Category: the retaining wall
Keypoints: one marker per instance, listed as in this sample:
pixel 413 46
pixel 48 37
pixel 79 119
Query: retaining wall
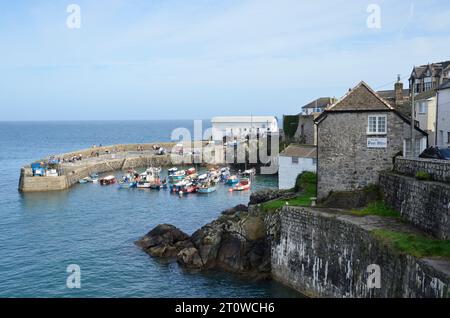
pixel 425 204
pixel 439 170
pixel 327 255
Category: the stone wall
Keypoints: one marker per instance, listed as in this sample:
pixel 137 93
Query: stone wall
pixel 345 163
pixel 326 255
pixel 306 130
pixel 425 204
pixel 439 170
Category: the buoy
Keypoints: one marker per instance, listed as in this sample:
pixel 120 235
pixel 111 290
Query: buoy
pixel 180 193
pixel 230 190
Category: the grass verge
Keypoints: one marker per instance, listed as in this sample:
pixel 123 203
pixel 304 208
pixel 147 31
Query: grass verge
pixel 307 182
pixel 415 245
pixel 377 208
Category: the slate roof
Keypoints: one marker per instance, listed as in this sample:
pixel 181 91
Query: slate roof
pixel 320 102
pixel 436 69
pixel 361 97
pixel 425 95
pixel 390 94
pixel 300 151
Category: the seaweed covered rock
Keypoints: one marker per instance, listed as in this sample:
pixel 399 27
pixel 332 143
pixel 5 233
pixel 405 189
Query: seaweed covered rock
pixel 164 240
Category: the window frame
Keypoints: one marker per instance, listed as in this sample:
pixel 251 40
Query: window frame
pixel 376 132
pixel 295 160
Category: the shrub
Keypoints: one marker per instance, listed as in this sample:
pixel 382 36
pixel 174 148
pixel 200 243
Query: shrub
pixel 422 175
pixel 304 180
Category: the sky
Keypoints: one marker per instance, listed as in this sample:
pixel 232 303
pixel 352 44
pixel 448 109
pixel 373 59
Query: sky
pixel 195 59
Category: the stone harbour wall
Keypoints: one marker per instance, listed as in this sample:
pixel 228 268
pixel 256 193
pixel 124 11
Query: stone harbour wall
pixel 439 170
pixel 326 255
pixel 425 204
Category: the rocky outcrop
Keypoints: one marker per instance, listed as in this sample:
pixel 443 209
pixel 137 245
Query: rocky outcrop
pixel 165 240
pixel 236 242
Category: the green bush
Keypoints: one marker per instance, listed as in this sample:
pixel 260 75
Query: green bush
pixel 305 180
pixel 422 175
pixel 290 125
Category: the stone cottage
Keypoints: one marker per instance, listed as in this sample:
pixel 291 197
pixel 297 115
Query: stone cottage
pixel 357 137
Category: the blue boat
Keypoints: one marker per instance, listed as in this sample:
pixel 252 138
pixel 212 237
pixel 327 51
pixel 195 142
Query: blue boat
pixel 127 185
pixel 206 189
pixel 232 180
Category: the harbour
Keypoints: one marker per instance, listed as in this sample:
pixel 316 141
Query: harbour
pixel 96 226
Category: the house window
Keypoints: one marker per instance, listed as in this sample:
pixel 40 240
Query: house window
pixel 418 88
pixel 376 125
pixel 422 107
pixel 295 160
pixel 448 137
pixel 428 83
pixel 314 161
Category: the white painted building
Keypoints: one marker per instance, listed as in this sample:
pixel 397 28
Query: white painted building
pixel 425 113
pixel 294 160
pixel 443 116
pixel 241 126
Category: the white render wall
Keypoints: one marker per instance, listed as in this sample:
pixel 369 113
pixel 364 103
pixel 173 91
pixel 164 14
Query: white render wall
pixel 288 171
pixel 443 118
pixel 240 129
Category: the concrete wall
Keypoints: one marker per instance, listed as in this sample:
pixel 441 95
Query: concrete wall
pixel 288 171
pixel 439 170
pixel 443 118
pixel 424 204
pixel 325 255
pixel 345 162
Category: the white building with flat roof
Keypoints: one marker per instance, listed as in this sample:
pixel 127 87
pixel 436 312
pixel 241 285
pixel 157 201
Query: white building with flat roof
pixel 242 126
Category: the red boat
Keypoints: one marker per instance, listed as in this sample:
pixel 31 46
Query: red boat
pixel 244 184
pixel 190 171
pixel 107 180
pixel 189 188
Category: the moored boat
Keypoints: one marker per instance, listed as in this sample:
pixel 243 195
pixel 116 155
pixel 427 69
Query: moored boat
pixel 244 184
pixel 232 180
pixel 190 171
pixel 127 185
pixel 108 180
pixel 206 189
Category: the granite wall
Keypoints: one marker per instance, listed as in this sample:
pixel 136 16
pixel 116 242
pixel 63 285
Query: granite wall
pixel 439 170
pixel 345 163
pixel 327 255
pixel 425 204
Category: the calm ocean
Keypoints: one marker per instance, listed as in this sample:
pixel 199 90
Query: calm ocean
pixel 95 227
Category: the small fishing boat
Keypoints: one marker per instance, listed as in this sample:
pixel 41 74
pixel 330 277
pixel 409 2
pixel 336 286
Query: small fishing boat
pixel 127 185
pixel 172 171
pixel 248 173
pixel 232 180
pixel 176 187
pixel 190 171
pixel 244 184
pixel 206 189
pixel 143 184
pixel 177 176
pixel 108 180
pixel 84 180
pixel 188 188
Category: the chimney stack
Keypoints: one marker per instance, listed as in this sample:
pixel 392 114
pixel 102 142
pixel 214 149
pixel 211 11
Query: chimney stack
pixel 398 87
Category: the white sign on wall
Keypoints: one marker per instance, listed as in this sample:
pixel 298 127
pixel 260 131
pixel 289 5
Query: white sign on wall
pixel 376 142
